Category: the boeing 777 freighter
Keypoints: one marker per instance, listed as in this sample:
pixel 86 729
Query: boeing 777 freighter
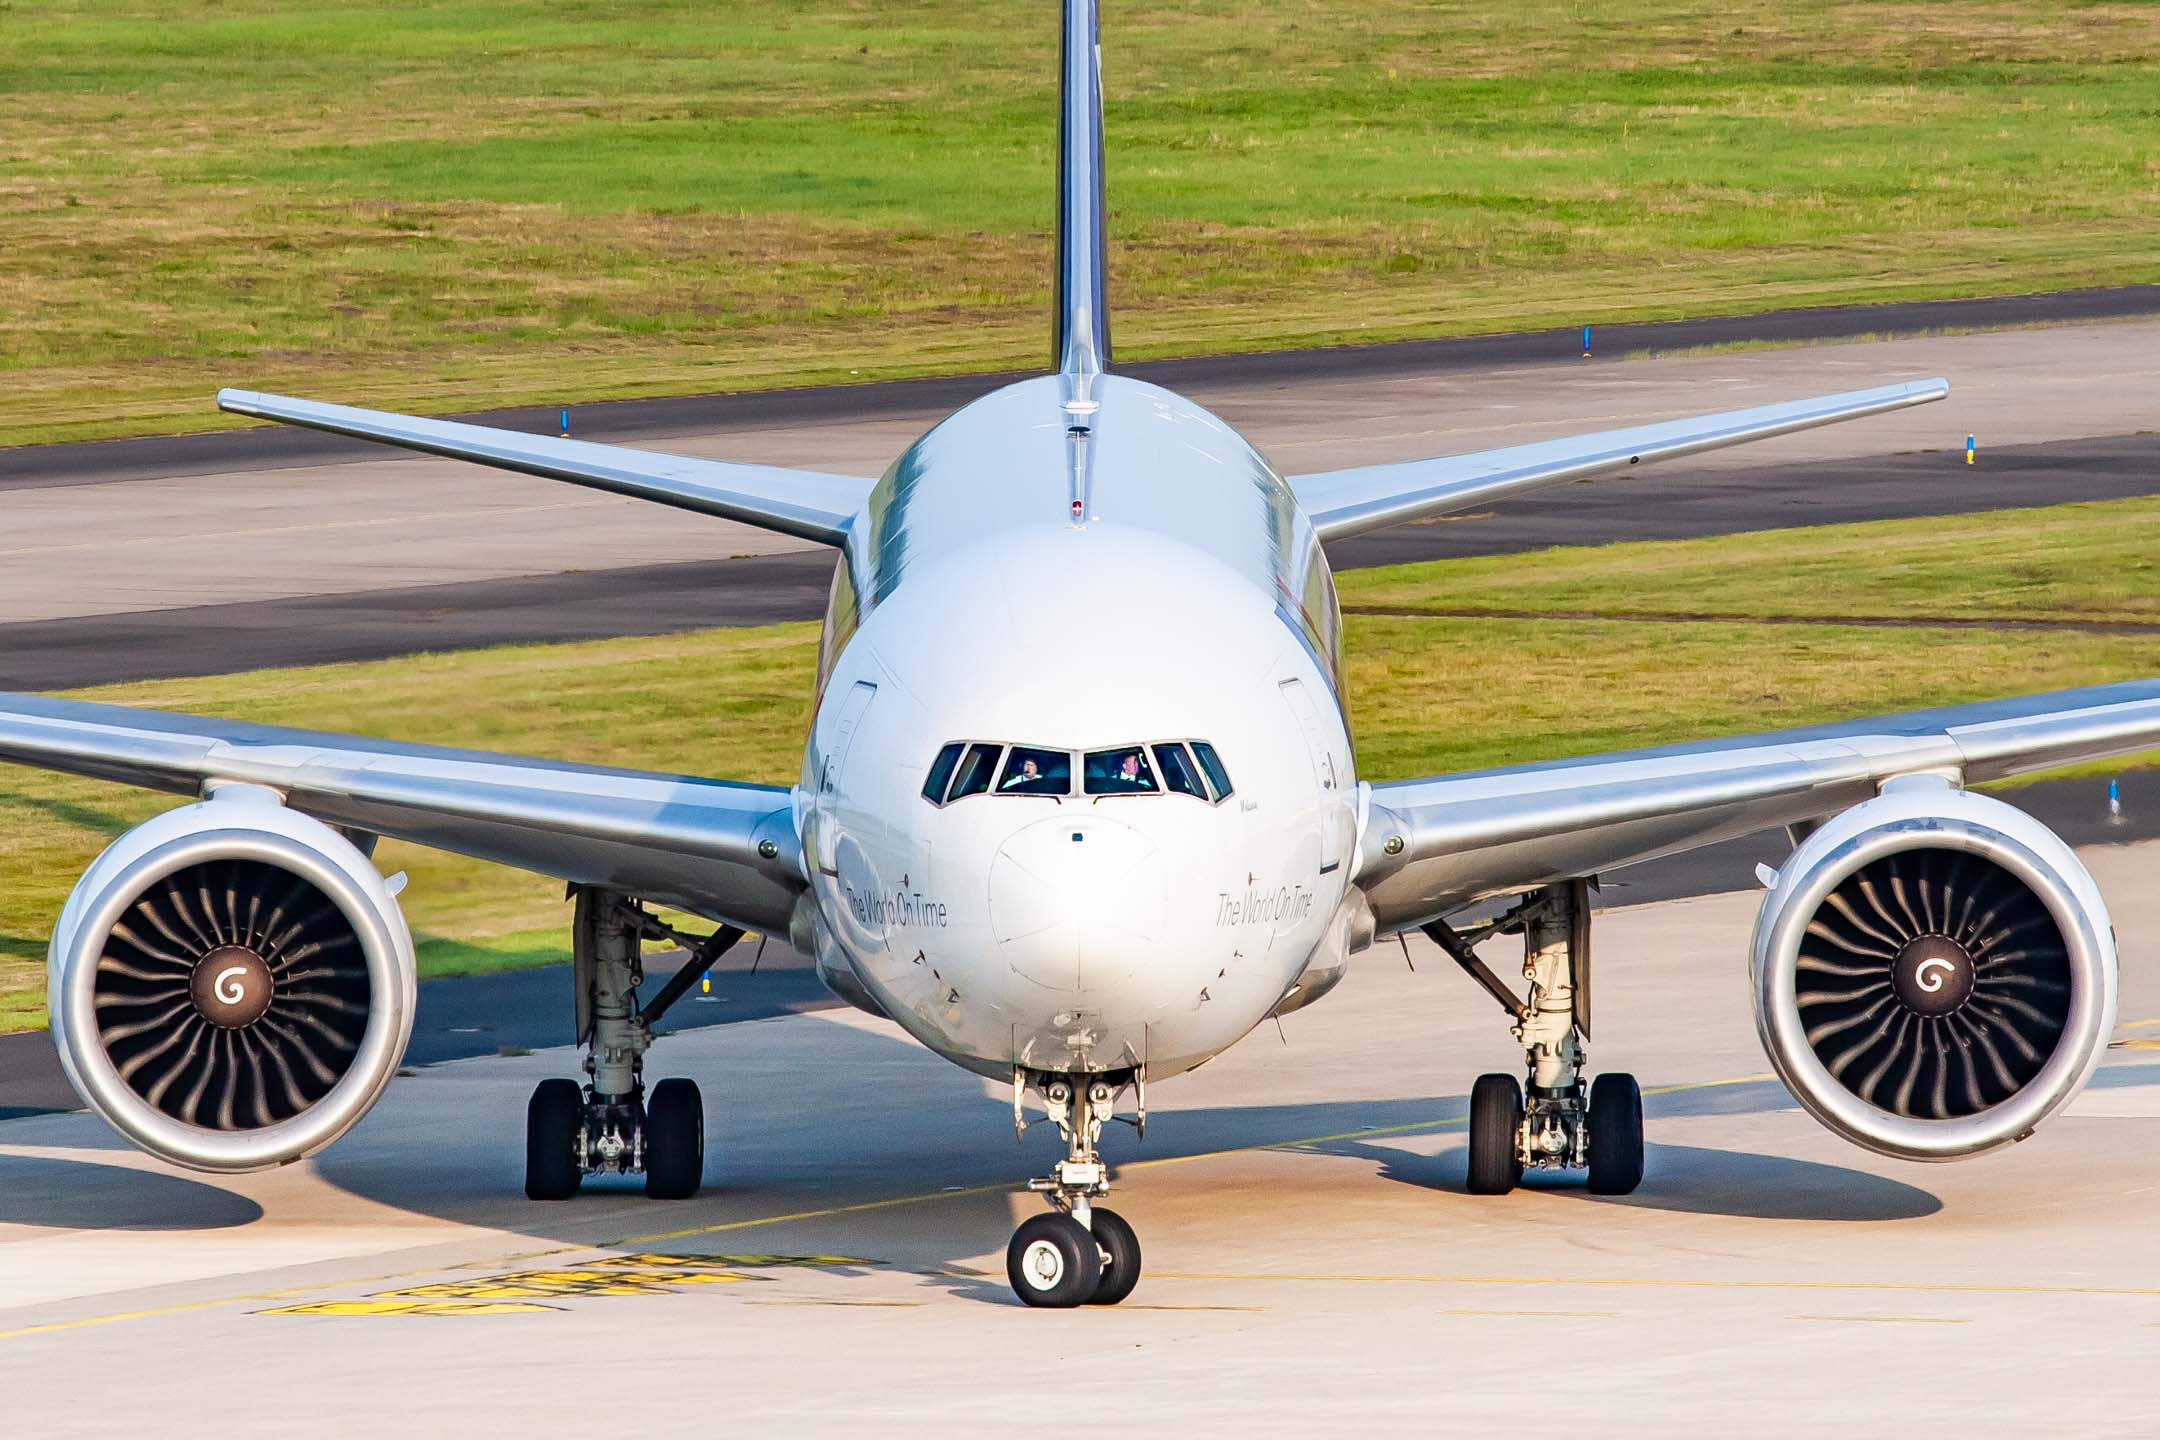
pixel 1080 865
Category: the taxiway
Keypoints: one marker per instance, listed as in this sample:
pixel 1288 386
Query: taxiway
pixel 1310 1252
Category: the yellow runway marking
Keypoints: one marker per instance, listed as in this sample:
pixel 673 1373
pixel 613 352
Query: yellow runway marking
pixel 407 1307
pixel 664 1260
pixel 578 1283
pixel 1890 1319
pixel 53 1326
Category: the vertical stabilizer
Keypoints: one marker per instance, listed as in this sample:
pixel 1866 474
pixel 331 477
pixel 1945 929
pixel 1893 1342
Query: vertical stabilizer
pixel 1080 337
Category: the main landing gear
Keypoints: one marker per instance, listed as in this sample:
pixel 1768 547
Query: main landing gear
pixel 1556 1122
pixel 611 1125
pixel 1080 1253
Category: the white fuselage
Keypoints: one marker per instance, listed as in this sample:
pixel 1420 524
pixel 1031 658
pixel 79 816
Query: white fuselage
pixel 1188 601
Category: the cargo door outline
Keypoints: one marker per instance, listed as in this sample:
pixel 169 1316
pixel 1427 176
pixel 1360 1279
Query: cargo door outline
pixel 846 725
pixel 1323 764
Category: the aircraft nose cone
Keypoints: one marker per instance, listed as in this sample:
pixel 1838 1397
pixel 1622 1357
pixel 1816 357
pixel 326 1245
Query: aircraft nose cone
pixel 1076 902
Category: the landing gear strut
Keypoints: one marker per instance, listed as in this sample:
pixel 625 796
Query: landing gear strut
pixel 611 1126
pixel 1556 1121
pixel 1080 1253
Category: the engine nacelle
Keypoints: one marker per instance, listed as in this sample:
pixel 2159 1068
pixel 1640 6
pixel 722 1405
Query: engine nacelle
pixel 231 984
pixel 1934 973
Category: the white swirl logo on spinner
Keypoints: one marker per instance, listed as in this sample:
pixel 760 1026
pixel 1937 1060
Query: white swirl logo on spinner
pixel 1925 976
pixel 1932 975
pixel 232 987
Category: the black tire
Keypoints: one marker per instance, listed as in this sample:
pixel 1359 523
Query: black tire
pixel 674 1140
pixel 1616 1144
pixel 553 1118
pixel 1052 1262
pixel 1121 1247
pixel 1496 1116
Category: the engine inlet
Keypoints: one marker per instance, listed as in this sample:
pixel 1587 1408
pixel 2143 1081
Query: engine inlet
pixel 232 995
pixel 1933 984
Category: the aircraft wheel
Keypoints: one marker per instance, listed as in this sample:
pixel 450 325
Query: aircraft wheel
pixel 1052 1262
pixel 674 1140
pixel 1121 1247
pixel 1616 1143
pixel 1496 1116
pixel 553 1118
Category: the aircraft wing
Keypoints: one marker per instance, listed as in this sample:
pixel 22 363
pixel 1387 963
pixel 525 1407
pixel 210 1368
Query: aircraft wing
pixel 1346 502
pixel 804 503
pixel 670 838
pixel 1490 831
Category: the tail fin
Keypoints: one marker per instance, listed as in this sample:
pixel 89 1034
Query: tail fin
pixel 1080 336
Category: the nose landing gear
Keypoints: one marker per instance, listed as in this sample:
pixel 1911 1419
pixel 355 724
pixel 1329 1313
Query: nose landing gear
pixel 1081 1253
pixel 1556 1122
pixel 612 1126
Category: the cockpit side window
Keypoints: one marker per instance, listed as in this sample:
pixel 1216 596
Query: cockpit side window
pixel 941 770
pixel 1123 771
pixel 1031 771
pixel 975 771
pixel 1178 771
pixel 1211 765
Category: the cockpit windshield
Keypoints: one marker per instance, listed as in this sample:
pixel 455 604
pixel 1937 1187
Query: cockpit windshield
pixel 1124 771
pixel 983 767
pixel 1029 771
pixel 976 770
pixel 1178 771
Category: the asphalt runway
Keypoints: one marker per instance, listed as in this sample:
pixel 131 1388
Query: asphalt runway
pixel 662 599
pixel 1310 1253
pixel 244 551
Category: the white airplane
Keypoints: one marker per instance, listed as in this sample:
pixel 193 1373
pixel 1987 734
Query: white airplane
pixel 1079 809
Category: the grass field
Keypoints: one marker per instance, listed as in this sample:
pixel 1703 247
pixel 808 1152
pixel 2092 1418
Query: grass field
pixel 446 205
pixel 1428 694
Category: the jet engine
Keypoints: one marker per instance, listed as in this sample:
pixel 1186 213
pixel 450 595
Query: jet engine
pixel 1934 973
pixel 231 983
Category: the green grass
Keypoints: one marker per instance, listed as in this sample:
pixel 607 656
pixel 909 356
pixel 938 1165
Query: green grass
pixel 2081 562
pixel 444 206
pixel 1428 694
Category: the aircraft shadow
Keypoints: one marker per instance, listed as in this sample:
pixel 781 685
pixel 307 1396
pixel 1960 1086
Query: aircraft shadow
pixel 1691 1180
pixel 875 1118
pixel 49 1193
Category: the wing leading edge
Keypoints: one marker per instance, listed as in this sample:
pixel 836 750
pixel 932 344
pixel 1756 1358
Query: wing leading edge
pixel 808 504
pixel 1345 502
pixel 699 844
pixel 1483 832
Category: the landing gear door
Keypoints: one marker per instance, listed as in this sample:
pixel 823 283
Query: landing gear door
pixel 1323 762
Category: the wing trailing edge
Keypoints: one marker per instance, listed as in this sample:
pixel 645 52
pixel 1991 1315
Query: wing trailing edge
pixel 1346 502
pixel 807 504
